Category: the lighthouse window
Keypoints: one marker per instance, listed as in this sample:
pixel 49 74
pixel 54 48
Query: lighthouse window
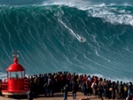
pixel 12 75
pixel 9 74
pixel 22 74
pixel 16 74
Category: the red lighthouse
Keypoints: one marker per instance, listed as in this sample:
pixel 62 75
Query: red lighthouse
pixel 16 83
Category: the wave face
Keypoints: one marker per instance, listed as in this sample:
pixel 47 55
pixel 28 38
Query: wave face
pixel 74 37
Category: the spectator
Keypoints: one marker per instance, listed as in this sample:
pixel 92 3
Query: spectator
pixel 65 92
pixel 30 94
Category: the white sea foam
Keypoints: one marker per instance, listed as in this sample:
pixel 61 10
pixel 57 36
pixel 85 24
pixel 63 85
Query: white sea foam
pixel 70 3
pixel 101 10
pixel 111 15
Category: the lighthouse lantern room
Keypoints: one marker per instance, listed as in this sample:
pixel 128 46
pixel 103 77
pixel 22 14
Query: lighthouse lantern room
pixel 16 82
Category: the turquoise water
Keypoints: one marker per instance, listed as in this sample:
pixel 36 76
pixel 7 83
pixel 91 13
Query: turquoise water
pixel 75 36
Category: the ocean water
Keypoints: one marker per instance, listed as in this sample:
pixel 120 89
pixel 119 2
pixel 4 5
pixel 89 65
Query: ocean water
pixel 92 37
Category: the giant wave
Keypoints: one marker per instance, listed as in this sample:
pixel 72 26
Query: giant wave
pixel 48 37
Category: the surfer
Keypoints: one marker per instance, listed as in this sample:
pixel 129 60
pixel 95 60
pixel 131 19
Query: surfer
pixel 81 39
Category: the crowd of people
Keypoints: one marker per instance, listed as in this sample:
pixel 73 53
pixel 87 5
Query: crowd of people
pixel 65 82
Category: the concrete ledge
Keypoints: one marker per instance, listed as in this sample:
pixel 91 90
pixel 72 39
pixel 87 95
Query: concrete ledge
pixel 14 93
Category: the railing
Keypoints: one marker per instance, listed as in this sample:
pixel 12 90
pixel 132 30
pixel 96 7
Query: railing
pixel 26 84
pixel 4 84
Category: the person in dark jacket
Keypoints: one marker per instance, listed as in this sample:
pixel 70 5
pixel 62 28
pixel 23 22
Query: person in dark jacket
pixel 30 94
pixel 100 91
pixel 74 89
